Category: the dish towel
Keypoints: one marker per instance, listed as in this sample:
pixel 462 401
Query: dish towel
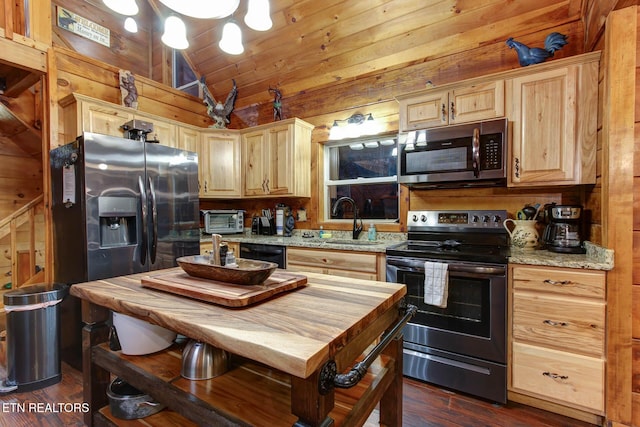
pixel 436 283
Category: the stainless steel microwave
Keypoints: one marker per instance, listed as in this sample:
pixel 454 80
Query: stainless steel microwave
pixel 466 155
pixel 223 221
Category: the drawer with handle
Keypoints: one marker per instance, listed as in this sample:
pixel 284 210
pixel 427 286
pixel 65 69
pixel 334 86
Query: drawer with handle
pixel 573 379
pixel 560 281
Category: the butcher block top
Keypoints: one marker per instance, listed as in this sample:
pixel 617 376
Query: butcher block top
pixel 295 331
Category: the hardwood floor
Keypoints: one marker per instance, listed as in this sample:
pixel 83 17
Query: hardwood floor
pixel 424 405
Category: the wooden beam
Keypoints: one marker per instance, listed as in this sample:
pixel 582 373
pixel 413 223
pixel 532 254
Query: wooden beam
pixel 617 204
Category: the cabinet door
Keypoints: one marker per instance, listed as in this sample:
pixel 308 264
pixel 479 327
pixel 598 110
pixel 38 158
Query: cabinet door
pixel 543 140
pixel 280 160
pixel 104 119
pixel 425 111
pixel 221 176
pixel 477 102
pixel 254 160
pixel 189 139
pixel 164 132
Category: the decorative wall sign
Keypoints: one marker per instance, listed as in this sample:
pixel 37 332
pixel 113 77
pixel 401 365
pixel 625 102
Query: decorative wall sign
pixel 83 27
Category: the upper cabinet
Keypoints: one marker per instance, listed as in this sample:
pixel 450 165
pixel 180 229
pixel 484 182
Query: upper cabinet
pixel 554 122
pixel 219 163
pixel 436 107
pixel 552 113
pixel 276 159
pixel 271 160
pixel 84 114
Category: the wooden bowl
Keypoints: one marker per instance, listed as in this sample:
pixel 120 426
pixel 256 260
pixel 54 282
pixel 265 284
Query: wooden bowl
pixel 248 271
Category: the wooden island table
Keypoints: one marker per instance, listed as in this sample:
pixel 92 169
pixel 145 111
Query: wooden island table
pixel 286 353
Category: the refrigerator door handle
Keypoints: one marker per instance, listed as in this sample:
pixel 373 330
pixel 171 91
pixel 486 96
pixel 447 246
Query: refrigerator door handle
pixel 145 238
pixel 154 221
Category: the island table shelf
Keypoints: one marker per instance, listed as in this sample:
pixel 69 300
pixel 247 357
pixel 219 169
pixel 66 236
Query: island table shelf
pixel 279 348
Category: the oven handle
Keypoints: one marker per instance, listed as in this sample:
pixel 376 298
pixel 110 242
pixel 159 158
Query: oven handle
pixel 418 265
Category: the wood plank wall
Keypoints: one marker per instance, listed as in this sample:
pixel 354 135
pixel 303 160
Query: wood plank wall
pixel 635 379
pixel 80 74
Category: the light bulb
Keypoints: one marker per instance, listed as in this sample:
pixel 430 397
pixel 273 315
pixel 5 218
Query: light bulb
pixel 130 25
pixel 257 17
pixel 175 33
pixel 123 7
pixel 231 41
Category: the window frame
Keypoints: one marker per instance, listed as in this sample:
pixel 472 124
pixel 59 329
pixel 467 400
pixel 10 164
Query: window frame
pixel 327 183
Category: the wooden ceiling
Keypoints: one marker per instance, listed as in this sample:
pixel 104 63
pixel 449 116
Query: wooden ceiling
pixel 316 44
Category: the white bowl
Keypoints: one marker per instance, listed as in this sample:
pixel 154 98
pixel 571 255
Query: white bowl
pixel 138 337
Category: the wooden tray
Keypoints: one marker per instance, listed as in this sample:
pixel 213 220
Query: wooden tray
pixel 227 294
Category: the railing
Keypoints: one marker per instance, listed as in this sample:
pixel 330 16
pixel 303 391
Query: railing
pixel 24 247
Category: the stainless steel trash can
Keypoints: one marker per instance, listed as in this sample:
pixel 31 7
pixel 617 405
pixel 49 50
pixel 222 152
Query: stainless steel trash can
pixel 33 336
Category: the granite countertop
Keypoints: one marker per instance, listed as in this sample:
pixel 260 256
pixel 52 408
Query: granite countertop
pixel 596 258
pixel 339 240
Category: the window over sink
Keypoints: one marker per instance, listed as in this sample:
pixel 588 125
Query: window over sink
pixel 364 169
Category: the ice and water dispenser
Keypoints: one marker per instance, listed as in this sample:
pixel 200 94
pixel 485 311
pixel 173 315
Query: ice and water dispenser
pixel 117 221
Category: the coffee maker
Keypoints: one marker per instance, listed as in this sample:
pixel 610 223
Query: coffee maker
pixel 563 233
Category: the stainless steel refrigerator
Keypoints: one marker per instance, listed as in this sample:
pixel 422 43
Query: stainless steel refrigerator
pixel 120 206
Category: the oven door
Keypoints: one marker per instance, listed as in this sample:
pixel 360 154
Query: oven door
pixel 474 321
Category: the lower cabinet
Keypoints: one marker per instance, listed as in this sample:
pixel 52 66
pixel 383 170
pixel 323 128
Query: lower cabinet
pixel 357 265
pixel 557 351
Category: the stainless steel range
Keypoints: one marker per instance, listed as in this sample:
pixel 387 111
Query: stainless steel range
pixel 461 346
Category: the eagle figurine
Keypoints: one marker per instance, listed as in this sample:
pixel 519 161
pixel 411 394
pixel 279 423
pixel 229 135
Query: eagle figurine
pixel 534 55
pixel 219 112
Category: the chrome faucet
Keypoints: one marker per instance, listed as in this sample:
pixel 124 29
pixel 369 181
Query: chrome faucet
pixel 356 229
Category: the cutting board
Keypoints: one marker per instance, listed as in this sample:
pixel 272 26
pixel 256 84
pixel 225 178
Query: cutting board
pixel 222 293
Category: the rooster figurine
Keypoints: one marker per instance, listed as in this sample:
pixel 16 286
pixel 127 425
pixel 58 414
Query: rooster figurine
pixel 535 55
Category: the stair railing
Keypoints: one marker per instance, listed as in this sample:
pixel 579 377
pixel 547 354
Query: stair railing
pixel 9 227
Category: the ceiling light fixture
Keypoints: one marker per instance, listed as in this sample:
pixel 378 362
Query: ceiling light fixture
pixel 203 9
pixel 175 33
pixel 257 17
pixel 355 126
pixel 130 25
pixel 231 41
pixel 123 7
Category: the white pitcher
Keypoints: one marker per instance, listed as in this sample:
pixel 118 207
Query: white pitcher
pixel 524 234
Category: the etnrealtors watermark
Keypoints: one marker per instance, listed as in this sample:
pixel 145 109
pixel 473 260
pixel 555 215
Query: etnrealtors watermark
pixel 44 407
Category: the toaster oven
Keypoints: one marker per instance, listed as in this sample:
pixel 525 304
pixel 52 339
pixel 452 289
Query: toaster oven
pixel 223 221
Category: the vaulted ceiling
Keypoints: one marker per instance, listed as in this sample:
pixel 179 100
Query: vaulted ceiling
pixel 314 44
pixel 335 55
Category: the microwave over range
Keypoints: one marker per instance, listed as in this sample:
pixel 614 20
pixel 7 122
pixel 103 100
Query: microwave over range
pixel 467 155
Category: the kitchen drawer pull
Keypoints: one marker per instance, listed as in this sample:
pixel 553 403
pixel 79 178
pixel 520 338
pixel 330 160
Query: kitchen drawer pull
pixel 555 377
pixel 329 378
pixel 557 282
pixel 444 113
pixel 554 323
pixel 453 111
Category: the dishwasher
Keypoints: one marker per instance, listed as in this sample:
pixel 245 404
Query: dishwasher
pixel 262 252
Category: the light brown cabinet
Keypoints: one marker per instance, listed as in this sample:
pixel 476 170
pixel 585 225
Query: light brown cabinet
pixel 164 131
pixel 357 265
pixel 557 335
pixel 463 104
pixel 551 109
pixel 219 162
pixel 276 159
pixel 84 114
pixel 554 118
